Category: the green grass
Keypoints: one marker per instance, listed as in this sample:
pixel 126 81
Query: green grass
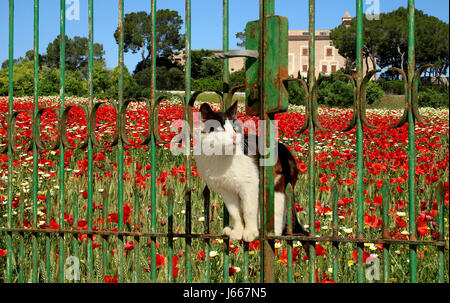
pixel 390 102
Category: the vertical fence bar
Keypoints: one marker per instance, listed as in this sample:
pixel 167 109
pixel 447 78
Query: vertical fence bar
pixel 226 43
pixel 188 135
pixel 47 238
pixel 137 267
pixel 289 224
pixel 359 141
pixel 75 220
pixel 335 204
pixel 170 235
pixel 441 236
pixel 105 237
pixel 206 205
pixel 62 71
pixel 386 234
pixel 153 145
pixel 120 145
pixel 311 135
pixel 10 132
pixel 226 105
pixel 266 184
pixel 411 143
pixel 35 128
pixel 21 248
pixel 90 147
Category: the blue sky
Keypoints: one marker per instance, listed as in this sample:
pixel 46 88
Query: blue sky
pixel 206 20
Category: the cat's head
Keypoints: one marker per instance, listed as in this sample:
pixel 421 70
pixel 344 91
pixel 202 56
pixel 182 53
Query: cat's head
pixel 220 130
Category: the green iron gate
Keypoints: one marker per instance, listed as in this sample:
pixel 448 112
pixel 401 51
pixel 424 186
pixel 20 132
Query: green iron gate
pixel 266 94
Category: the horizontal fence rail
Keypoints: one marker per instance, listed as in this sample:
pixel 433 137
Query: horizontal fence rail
pixel 49 251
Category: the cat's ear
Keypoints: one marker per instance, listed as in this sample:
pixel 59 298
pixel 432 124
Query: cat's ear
pixel 206 112
pixel 232 111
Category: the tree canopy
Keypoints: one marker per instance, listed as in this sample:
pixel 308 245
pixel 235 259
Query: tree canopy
pixel 77 51
pixel 137 33
pixel 386 41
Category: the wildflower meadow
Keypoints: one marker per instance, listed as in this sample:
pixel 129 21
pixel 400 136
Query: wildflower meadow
pixel 385 162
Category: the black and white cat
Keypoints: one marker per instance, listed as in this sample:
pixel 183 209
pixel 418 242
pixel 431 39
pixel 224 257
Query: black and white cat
pixel 235 176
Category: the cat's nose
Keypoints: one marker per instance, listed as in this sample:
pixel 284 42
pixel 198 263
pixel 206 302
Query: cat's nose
pixel 234 137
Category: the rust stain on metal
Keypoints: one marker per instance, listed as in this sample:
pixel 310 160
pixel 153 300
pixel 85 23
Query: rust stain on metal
pixel 386 233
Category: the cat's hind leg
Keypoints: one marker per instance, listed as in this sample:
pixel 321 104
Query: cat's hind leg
pixel 280 212
pixel 249 201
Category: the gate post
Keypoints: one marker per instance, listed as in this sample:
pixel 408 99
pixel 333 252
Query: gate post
pixel 266 190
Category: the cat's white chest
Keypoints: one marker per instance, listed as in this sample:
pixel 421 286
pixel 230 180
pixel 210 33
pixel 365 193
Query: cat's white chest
pixel 229 173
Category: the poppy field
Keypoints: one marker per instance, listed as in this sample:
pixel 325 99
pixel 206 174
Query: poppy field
pixel 385 163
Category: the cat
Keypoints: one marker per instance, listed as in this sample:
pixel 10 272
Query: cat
pixel 235 176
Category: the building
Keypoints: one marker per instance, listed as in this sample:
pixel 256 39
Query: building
pixel 327 57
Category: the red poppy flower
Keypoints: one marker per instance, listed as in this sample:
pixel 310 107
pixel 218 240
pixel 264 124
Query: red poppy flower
pixel 201 256
pixel 113 218
pixel 255 245
pixel 365 256
pixel 54 225
pixel 320 251
pixel 129 246
pixel 82 224
pixel 160 261
pixel 231 271
pixel 295 253
pixel 109 279
pixel 325 279
pixel 175 269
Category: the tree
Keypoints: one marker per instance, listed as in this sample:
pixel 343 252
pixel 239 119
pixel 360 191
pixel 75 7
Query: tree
pixel 137 33
pixel 386 41
pixel 77 53
pixel 23 79
pixel 29 56
pixel 204 68
pixel 241 36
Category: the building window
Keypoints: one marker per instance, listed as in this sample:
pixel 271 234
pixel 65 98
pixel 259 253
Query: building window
pixel 329 52
pixel 324 68
pixel 333 68
pixel 305 68
pixel 305 52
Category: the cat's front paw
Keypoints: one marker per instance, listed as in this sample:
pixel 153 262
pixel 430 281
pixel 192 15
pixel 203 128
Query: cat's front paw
pixel 249 235
pixel 227 230
pixel 236 235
